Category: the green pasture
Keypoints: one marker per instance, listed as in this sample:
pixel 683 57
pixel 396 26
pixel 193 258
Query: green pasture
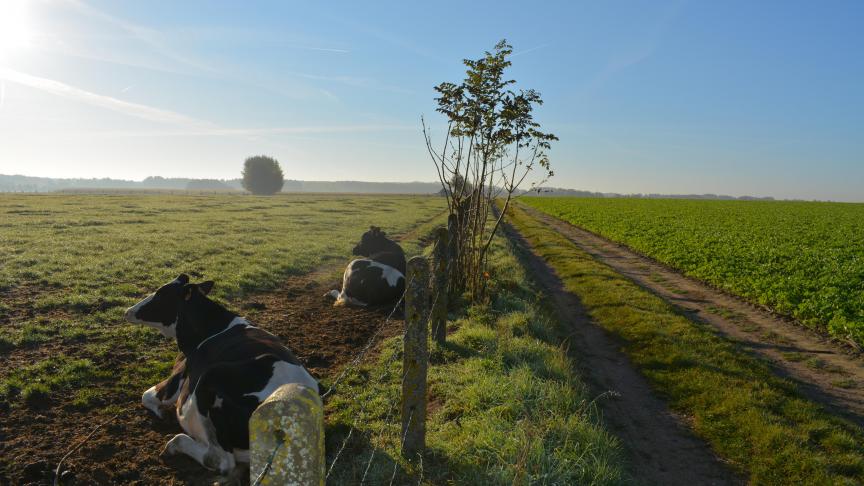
pixel 70 264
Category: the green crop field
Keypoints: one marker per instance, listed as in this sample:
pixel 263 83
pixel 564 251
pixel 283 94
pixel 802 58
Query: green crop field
pixel 802 259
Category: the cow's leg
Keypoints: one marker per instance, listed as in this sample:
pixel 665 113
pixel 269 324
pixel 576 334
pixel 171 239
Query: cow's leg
pixel 241 455
pixel 208 455
pixel 164 394
pixel 340 296
pixel 201 443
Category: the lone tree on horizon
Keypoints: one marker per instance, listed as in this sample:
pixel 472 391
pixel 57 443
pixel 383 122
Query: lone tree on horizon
pixel 262 175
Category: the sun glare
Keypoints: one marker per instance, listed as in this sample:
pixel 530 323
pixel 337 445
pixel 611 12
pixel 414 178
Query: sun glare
pixel 15 33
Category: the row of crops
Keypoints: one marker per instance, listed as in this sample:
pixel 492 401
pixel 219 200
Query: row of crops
pixel 803 259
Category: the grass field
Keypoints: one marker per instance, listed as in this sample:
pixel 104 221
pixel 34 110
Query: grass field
pixel 506 406
pixel 757 421
pixel 802 259
pixel 69 265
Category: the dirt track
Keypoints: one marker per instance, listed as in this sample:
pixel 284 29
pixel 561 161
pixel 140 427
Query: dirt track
pixel 126 451
pixel 660 445
pixel 826 372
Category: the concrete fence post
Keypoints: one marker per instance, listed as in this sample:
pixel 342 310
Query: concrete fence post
pixel 439 285
pixel 292 416
pixel 415 358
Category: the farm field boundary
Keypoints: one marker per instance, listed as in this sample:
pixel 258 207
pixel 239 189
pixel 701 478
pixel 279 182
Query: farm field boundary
pixel 823 370
pixel 505 404
pixel 804 260
pixel 757 421
pixel 661 448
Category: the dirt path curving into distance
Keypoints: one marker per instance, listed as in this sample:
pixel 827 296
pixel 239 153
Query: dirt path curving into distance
pixel 660 446
pixel 826 372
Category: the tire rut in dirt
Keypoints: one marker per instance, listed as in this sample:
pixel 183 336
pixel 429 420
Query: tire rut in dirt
pixel 660 446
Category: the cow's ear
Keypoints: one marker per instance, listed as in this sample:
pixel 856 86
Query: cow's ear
pixel 205 287
pixel 183 278
pixel 188 289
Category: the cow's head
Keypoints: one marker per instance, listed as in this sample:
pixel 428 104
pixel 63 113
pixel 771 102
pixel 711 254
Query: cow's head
pixel 159 310
pixel 199 317
pixel 373 241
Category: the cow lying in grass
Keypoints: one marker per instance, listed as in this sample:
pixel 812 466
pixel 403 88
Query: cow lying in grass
pixel 227 368
pixel 377 279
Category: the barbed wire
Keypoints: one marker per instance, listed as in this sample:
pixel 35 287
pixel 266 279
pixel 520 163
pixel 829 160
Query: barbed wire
pixel 268 465
pixel 402 445
pixel 369 344
pixel 386 421
pixel 386 371
pixel 381 378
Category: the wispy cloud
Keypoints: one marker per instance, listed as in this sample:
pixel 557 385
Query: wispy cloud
pixel 150 37
pixel 532 49
pixel 356 82
pixel 171 59
pixel 136 110
pixel 323 49
pixel 127 88
pixel 256 132
pixel 179 125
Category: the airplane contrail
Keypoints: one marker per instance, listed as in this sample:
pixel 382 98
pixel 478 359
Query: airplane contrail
pixel 64 90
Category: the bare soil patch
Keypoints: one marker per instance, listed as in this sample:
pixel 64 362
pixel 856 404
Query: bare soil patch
pixel 660 446
pixel 33 439
pixel 827 372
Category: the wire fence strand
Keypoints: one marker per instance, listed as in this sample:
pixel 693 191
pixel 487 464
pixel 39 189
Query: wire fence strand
pixel 387 368
pixel 269 464
pixel 402 445
pixel 381 378
pixel 368 345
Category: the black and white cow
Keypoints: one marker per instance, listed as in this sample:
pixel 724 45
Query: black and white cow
pixel 226 369
pixel 377 279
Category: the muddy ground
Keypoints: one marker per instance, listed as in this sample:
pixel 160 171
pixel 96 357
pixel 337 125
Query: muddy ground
pixel 126 451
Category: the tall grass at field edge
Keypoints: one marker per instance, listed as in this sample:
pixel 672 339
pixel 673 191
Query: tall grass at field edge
pixel 505 405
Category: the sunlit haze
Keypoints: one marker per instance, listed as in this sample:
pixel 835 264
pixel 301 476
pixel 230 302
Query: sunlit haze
pixel 758 98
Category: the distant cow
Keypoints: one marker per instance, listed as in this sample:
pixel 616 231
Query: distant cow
pixel 227 368
pixel 377 279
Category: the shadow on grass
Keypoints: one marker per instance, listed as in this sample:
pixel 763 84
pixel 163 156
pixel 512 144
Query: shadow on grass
pixel 353 459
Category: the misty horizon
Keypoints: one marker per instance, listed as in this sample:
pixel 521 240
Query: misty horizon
pixel 24 183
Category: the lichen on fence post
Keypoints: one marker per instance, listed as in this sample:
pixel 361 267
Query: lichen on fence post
pixel 439 286
pixel 292 416
pixel 415 358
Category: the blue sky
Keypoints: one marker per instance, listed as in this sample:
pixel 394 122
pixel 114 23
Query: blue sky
pixel 738 98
